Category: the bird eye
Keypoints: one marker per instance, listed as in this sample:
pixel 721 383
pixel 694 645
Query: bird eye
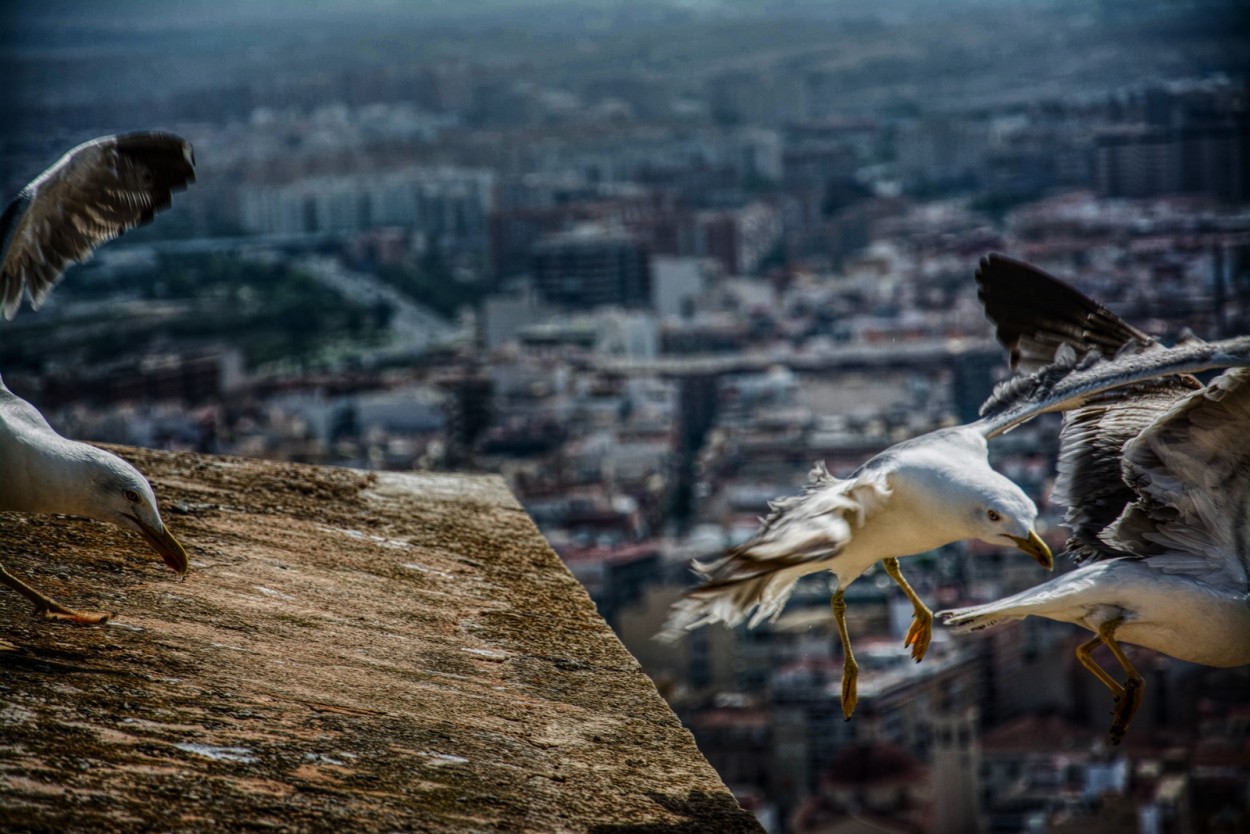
pixel 994 515
pixel 132 496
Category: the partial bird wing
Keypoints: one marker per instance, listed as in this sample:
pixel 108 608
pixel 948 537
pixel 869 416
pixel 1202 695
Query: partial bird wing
pixel 800 532
pixel 1090 481
pixel 1034 313
pixel 1071 383
pixel 1191 473
pixel 1035 316
pixel 91 195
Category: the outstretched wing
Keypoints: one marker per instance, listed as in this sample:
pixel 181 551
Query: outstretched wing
pixel 1191 474
pixel 91 195
pixel 802 532
pixel 1070 383
pixel 1034 313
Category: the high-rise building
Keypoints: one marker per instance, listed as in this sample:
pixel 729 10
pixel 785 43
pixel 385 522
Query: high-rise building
pixel 1149 162
pixel 449 207
pixel 956 773
pixel 592 266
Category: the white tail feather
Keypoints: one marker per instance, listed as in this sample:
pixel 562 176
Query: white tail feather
pixel 801 535
pixel 731 604
pixel 977 617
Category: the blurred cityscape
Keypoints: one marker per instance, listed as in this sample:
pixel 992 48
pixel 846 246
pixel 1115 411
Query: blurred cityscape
pixel 649 262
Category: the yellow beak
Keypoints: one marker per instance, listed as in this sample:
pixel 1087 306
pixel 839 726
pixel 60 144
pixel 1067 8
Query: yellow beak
pixel 165 544
pixel 1035 547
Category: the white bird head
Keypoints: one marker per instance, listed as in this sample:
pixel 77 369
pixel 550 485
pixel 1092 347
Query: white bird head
pixel 1001 513
pixel 118 494
pixel 949 478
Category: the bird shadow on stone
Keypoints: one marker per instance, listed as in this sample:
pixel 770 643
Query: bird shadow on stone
pixel 704 812
pixel 50 661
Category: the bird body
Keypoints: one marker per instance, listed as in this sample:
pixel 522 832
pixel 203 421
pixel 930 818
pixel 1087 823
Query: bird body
pixel 1178 615
pixel 91 195
pixel 942 490
pixel 1156 477
pixel 42 470
pixel 911 498
pixel 47 473
pixel 938 488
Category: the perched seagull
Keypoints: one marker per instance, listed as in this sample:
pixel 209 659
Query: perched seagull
pixel 1156 477
pixel 91 195
pixel 911 498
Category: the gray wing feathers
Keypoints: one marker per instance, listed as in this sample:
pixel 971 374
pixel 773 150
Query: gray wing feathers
pixel 1191 473
pixel 91 195
pixel 1053 331
pixel 801 532
pixel 1067 385
pixel 1090 481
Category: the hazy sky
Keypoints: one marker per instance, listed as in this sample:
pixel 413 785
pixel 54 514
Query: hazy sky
pixel 58 51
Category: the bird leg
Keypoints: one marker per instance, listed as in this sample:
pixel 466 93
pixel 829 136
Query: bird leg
pixel 1127 697
pixel 850 669
pixel 921 631
pixel 50 608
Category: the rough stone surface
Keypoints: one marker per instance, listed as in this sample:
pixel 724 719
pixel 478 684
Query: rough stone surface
pixel 350 652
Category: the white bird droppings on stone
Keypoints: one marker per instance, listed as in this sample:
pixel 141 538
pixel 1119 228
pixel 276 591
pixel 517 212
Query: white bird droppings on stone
pixel 223 754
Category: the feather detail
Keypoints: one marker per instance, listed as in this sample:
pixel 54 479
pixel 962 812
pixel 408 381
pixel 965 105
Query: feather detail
pixel 977 618
pixel 1024 388
pixel 1035 313
pixel 1062 388
pixel 91 195
pixel 800 536
pixel 1190 472
pixel 1089 481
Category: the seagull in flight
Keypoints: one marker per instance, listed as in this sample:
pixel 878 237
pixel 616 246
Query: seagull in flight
pixel 91 195
pixel 1156 478
pixel 911 498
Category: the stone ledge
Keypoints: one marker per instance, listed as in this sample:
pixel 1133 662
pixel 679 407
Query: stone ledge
pixel 353 651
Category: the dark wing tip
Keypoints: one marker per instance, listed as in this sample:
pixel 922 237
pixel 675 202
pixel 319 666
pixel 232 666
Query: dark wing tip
pixel 94 193
pixel 1034 312
pixel 168 156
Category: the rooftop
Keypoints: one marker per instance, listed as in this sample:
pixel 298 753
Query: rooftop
pixel 358 651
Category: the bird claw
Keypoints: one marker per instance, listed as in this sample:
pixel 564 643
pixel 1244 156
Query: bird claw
pixel 67 615
pixel 850 692
pixel 919 635
pixel 1125 708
